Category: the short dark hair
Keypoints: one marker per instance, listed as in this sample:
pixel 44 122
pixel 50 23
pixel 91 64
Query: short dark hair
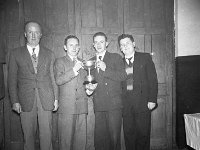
pixel 123 36
pixel 70 37
pixel 100 34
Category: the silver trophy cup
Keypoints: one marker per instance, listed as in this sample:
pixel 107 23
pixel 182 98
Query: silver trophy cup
pixel 89 65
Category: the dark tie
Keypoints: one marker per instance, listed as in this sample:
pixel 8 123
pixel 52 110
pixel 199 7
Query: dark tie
pixel 34 55
pixel 130 64
pixel 100 57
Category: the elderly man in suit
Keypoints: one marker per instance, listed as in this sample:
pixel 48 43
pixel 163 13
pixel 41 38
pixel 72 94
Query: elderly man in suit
pixel 32 88
pixel 109 73
pixel 73 101
pixel 139 95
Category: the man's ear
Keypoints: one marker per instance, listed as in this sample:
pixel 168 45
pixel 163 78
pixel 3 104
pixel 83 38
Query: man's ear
pixel 25 34
pixel 65 47
pixel 133 44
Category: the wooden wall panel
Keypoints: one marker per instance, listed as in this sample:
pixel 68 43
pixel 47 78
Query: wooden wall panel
pixel 158 11
pixel 158 130
pixel 158 51
pixel 136 13
pixel 56 15
pixel 88 13
pixel 110 13
pixel 34 10
pixel 140 42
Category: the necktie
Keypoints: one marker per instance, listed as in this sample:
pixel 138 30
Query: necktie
pixel 34 55
pixel 100 57
pixel 130 64
pixel 75 60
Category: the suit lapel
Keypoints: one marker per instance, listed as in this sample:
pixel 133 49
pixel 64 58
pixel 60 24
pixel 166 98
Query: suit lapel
pixel 106 57
pixel 69 60
pixel 27 58
pixel 136 64
pixel 41 58
pixel 79 77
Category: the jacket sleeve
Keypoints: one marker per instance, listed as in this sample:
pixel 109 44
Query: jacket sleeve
pixel 12 78
pixel 117 71
pixel 62 72
pixel 55 87
pixel 152 79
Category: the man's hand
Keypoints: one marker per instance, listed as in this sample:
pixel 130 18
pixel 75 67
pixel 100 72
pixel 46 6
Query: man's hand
pixel 100 64
pixel 151 105
pixel 55 105
pixel 90 88
pixel 17 107
pixel 78 65
pixel 129 71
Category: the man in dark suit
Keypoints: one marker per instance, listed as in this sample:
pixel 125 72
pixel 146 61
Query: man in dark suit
pixel 32 88
pixel 139 95
pixel 109 73
pixel 73 105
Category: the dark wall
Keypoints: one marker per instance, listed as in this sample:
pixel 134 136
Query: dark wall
pixel 187 92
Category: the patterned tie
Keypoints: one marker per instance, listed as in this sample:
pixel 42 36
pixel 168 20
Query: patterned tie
pixel 34 55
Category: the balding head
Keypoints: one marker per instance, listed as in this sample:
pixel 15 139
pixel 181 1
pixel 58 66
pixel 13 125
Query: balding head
pixel 33 33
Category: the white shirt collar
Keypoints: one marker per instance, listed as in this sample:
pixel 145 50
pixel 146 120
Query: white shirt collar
pixel 71 57
pixel 30 49
pixel 102 55
pixel 132 59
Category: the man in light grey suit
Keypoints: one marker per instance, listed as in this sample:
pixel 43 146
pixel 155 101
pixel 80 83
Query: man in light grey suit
pixel 73 101
pixel 32 88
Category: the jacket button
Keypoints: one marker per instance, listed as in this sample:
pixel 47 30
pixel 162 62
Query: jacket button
pixel 106 83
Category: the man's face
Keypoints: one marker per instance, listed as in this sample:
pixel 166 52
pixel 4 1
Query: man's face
pixel 72 47
pixel 127 46
pixel 100 43
pixel 33 34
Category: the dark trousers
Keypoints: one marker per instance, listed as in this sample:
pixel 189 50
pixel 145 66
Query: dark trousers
pixel 108 130
pixel 137 127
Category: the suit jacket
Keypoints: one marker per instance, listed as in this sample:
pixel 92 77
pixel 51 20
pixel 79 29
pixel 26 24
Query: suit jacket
pixel 23 81
pixel 107 95
pixel 145 83
pixel 72 95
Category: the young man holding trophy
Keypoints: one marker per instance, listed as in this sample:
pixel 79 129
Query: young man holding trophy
pixel 108 74
pixel 73 101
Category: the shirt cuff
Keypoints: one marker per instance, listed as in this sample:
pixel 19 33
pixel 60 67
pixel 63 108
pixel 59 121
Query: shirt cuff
pixel 75 72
